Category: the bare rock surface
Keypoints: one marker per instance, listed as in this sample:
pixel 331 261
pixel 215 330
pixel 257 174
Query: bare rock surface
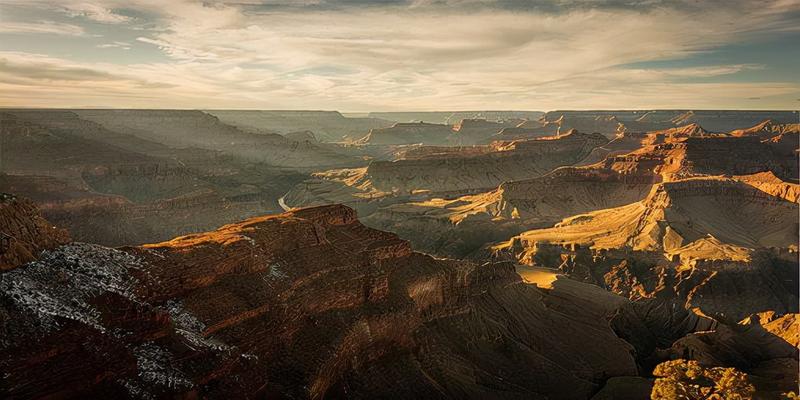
pixel 307 304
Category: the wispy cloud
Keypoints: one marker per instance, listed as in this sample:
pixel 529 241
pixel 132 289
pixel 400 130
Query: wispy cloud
pixel 94 12
pixel 115 45
pixel 46 27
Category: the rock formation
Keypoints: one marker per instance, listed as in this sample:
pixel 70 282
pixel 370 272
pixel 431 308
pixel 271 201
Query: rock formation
pixel 580 264
pixel 329 126
pixel 452 117
pixel 115 188
pixel 307 304
pixel 408 133
pixel 24 233
pixel 723 246
pixel 457 227
pixel 179 128
pixel 474 131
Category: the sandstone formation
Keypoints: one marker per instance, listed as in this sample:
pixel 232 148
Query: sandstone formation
pixel 24 233
pixel 178 128
pixel 427 172
pixel 643 121
pixel 679 157
pixel 474 131
pixel 329 126
pixel 452 117
pixel 524 131
pixel 408 133
pixel 707 241
pixel 597 263
pixel 460 226
pixel 768 130
pixel 307 304
pixel 115 188
pixel 508 161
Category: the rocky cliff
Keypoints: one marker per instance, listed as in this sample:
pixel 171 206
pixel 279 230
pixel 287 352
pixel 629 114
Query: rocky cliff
pixel 115 188
pixel 24 233
pixel 717 244
pixel 329 126
pixel 509 161
pixel 459 226
pixel 186 128
pixel 474 131
pixel 650 120
pixel 408 133
pixel 307 304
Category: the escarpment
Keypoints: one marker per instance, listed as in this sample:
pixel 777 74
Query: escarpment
pixel 408 133
pixel 429 171
pixel 115 188
pixel 305 304
pixel 183 128
pixel 684 156
pixel 717 244
pixel 509 161
pixel 24 234
pixel 329 126
pixel 460 226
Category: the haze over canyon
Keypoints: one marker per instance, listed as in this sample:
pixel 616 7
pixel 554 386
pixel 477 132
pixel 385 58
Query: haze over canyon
pixel 518 200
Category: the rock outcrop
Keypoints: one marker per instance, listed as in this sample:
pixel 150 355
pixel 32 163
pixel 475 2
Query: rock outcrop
pixel 24 234
pixel 429 171
pixel 474 131
pixel 408 133
pixel 307 304
pixel 186 128
pixel 115 188
pixel 508 161
pixel 688 156
pixel 452 117
pixel 329 126
pixel 458 227
pixel 717 244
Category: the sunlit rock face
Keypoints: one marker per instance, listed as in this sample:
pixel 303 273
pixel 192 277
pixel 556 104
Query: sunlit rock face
pixel 721 245
pixel 24 233
pixel 610 121
pixel 306 304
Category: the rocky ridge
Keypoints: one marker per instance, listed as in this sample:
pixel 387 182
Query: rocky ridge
pixel 350 310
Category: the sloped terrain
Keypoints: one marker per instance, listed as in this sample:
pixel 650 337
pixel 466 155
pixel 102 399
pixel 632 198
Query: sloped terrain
pixel 184 128
pixel 329 126
pixel 474 131
pixel 115 188
pixel 452 117
pixel 578 265
pixel 678 214
pixel 427 172
pixel 349 310
pixel 602 121
pixel 459 226
pixel 24 233
pixel 510 161
pixel 716 243
pixel 408 133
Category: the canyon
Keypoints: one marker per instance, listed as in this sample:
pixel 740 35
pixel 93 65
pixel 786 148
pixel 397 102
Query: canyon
pixel 472 254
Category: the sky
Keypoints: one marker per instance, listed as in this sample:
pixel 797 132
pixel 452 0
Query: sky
pixel 401 55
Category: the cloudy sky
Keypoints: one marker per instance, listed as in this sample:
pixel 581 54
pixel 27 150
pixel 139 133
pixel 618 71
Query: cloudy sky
pixel 362 55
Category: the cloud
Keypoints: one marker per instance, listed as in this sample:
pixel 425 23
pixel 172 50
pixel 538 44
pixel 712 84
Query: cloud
pixel 94 12
pixel 115 45
pixel 43 27
pixel 361 55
